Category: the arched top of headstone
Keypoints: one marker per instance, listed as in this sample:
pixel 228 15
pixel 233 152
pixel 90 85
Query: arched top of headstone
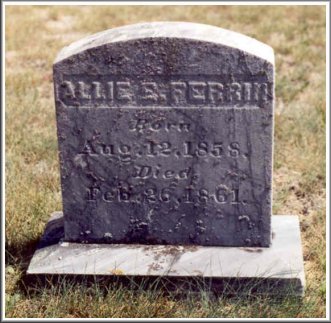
pixel 181 30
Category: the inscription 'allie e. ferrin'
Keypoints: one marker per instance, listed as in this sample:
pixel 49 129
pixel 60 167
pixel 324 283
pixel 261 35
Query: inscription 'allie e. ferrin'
pixel 111 93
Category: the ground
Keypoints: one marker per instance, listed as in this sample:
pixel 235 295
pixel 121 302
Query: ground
pixel 35 34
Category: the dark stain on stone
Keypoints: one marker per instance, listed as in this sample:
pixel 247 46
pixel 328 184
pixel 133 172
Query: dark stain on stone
pixel 254 250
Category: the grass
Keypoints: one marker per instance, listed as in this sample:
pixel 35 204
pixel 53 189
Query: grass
pixel 64 296
pixel 34 35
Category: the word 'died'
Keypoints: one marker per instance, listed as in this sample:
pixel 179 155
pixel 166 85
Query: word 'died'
pixel 144 172
pixel 160 92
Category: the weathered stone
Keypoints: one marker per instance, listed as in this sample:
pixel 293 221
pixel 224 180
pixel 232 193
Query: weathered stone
pixel 165 136
pixel 278 269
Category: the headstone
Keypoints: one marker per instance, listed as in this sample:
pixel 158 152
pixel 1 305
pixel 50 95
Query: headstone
pixel 165 136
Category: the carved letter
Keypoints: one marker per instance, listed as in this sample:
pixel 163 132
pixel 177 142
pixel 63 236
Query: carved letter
pixel 67 90
pixel 123 91
pixel 247 91
pixel 82 91
pixel 110 91
pixel 88 149
pixel 260 91
pixel 137 125
pixel 215 92
pixel 184 127
pixel 183 174
pixel 235 90
pixel 92 193
pixel 143 171
pixel 169 174
pixel 178 91
pixel 97 92
pixel 196 92
pixel 149 92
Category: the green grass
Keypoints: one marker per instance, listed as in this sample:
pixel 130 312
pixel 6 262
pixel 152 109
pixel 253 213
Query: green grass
pixel 98 298
pixel 34 35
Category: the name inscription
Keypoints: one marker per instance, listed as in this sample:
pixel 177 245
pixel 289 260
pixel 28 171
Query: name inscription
pixel 112 91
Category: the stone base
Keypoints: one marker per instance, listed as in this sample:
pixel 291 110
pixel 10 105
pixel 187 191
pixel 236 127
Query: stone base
pixel 273 269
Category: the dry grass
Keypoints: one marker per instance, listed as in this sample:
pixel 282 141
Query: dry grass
pixel 34 35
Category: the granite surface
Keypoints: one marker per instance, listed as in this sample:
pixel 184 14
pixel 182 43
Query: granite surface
pixel 281 263
pixel 165 135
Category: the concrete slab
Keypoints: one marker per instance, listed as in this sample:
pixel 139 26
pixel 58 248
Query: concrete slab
pixel 282 263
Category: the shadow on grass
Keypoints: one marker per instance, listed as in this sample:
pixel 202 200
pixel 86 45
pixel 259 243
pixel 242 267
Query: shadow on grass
pixel 20 255
pixel 177 287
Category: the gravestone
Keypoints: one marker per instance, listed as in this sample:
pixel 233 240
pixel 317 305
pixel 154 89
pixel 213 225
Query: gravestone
pixel 166 140
pixel 165 135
